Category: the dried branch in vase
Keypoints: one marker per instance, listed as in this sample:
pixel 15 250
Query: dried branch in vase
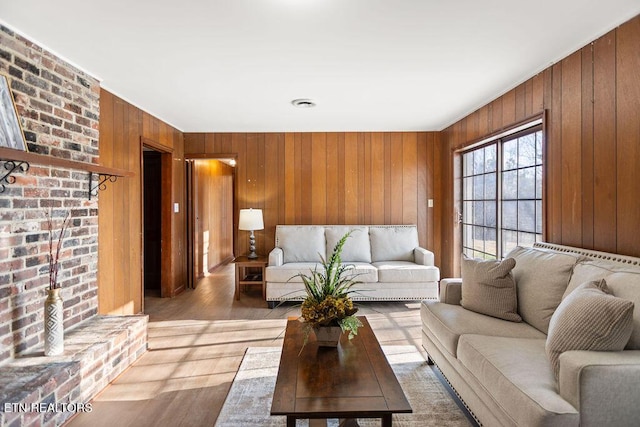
pixel 54 257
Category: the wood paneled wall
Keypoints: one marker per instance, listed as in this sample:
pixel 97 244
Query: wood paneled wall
pixel 122 126
pixel 592 103
pixel 331 178
pixel 213 200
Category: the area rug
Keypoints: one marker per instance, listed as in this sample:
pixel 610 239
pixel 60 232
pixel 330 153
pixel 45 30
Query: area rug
pixel 249 400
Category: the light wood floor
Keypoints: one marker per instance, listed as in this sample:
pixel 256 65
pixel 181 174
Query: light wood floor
pixel 196 344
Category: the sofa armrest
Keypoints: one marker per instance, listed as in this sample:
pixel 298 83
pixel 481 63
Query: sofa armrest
pixel 451 291
pixel 276 257
pixel 423 256
pixel 602 385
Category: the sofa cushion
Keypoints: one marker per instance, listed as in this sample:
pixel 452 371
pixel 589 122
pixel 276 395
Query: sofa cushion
pixel 448 322
pixel 590 318
pixel 585 271
pixel 541 278
pixel 357 247
pixel 302 244
pixel 623 281
pixel 362 272
pixel 517 373
pixel 288 272
pixel 405 272
pixel 393 243
pixel 488 288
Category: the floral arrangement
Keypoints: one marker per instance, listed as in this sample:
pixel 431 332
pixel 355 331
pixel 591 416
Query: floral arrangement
pixel 327 302
pixel 54 257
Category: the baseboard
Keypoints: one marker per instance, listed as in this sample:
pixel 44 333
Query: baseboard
pixel 221 264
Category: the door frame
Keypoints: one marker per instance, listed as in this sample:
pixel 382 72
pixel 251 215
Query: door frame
pixel 166 188
pixel 190 221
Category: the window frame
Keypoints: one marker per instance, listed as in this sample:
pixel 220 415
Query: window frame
pixel 531 126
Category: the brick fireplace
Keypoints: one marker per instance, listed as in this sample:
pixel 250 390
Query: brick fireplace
pixel 59 108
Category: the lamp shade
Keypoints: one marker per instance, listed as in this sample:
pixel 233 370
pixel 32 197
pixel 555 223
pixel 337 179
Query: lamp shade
pixel 251 219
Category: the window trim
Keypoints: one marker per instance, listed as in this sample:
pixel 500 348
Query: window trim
pixel 517 127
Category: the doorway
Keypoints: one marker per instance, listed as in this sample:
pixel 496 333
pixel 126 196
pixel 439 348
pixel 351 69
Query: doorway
pixel 152 223
pixel 210 193
pixel 157 220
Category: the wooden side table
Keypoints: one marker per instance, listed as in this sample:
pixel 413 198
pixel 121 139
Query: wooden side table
pixel 247 273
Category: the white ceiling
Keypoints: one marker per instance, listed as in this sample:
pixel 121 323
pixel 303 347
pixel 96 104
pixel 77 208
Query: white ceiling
pixel 235 65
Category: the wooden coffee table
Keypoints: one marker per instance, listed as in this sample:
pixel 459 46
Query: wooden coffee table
pixel 351 381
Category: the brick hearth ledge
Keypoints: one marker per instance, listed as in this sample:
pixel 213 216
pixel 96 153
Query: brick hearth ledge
pixel 96 352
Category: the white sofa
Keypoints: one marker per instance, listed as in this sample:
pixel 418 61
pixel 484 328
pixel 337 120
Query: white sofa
pixel 387 259
pixel 501 370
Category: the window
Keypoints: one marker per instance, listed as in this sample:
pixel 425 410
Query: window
pixel 502 195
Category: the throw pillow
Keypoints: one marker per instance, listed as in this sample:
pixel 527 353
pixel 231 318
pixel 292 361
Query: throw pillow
pixel 622 280
pixel 488 288
pixel 589 318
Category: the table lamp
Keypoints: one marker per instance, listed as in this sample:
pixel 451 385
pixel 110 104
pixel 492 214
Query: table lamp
pixel 250 220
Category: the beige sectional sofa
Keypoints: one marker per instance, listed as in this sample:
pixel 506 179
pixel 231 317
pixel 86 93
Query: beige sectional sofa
pixel 500 368
pixel 387 259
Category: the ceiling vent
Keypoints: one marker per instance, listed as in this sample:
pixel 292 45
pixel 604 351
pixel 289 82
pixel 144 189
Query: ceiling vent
pixel 303 103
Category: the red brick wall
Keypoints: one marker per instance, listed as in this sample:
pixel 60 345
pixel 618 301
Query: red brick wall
pixel 58 106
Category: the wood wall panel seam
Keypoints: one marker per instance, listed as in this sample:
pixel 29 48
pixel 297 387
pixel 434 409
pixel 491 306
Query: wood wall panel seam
pixel 587 181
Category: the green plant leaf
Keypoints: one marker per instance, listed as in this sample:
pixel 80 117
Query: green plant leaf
pixel 328 288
